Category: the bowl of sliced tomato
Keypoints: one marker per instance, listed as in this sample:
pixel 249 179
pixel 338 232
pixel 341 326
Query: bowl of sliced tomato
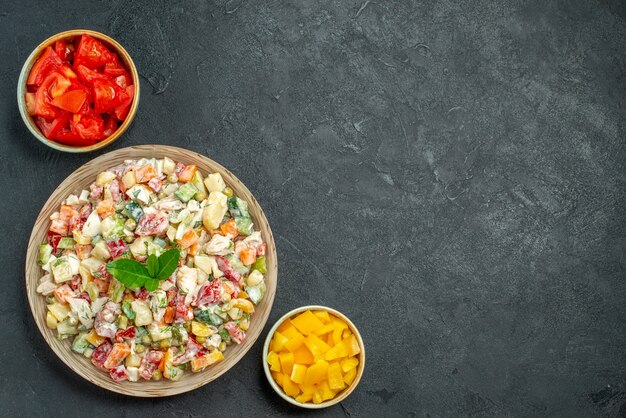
pixel 78 91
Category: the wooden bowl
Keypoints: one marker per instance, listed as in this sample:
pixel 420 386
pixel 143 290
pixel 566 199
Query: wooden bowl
pixel 32 58
pixel 80 179
pixel 342 395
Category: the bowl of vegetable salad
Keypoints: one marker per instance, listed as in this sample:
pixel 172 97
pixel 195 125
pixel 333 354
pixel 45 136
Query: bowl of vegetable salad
pixel 151 270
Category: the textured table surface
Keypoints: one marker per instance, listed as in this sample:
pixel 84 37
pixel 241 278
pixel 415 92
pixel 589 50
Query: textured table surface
pixel 450 175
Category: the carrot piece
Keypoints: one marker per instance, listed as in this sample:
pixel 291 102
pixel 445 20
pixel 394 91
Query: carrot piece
pixel 168 318
pixel 229 229
pixel 187 173
pixel 66 213
pixel 105 208
pixel 193 249
pixel 247 256
pixel 59 227
pixel 189 238
pixel 145 173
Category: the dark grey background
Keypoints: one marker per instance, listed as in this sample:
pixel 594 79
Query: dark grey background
pixel 449 174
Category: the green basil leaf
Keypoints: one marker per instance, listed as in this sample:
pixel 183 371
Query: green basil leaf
pixel 152 284
pixel 153 265
pixel 129 272
pixel 168 261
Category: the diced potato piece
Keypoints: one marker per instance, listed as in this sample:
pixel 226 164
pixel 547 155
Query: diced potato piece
pixel 316 373
pixel 101 251
pixel 298 372
pixel 133 360
pixel 104 178
pixel 273 361
pixel 59 311
pixel 306 322
pixel 168 166
pixel 214 182
pixel 286 362
pixel 51 321
pixel 129 179
pixel 303 356
pixel 295 342
pixel 215 210
pixel 348 364
pixel 143 314
pixel 335 377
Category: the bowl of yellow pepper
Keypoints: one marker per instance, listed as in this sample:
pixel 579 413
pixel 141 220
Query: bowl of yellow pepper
pixel 314 357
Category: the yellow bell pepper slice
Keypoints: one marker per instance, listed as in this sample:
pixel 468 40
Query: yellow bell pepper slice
pixel 298 372
pixel 307 322
pixel 303 356
pixel 349 364
pixel 335 377
pixel 316 373
pixel 273 361
pixel 295 342
pixel 286 362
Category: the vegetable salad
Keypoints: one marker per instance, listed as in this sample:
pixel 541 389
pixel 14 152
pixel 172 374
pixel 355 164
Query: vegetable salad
pixel 152 271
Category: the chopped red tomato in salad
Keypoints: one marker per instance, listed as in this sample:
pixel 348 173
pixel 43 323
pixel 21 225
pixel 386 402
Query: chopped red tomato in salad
pixel 79 91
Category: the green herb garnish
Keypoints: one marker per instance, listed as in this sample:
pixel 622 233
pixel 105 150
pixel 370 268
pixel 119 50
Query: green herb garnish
pixel 134 274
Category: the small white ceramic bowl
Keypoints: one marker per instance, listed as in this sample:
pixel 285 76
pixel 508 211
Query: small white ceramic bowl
pixel 341 395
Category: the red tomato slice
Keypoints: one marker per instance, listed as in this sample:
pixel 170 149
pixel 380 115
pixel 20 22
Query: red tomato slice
pixel 91 53
pixel 114 68
pixel 53 86
pixel 30 103
pixel 89 127
pixel 60 49
pixel 67 72
pixel 47 62
pixel 51 128
pixel 110 126
pixel 72 101
pixel 88 76
pixel 68 137
pixel 108 95
pixel 122 111
pixel 123 80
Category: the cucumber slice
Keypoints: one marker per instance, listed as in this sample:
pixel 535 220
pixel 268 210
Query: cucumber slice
pixel 66 243
pixel 186 192
pixel 45 251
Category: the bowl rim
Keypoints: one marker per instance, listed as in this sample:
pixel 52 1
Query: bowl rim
pixel 346 392
pixel 140 389
pixel 30 61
